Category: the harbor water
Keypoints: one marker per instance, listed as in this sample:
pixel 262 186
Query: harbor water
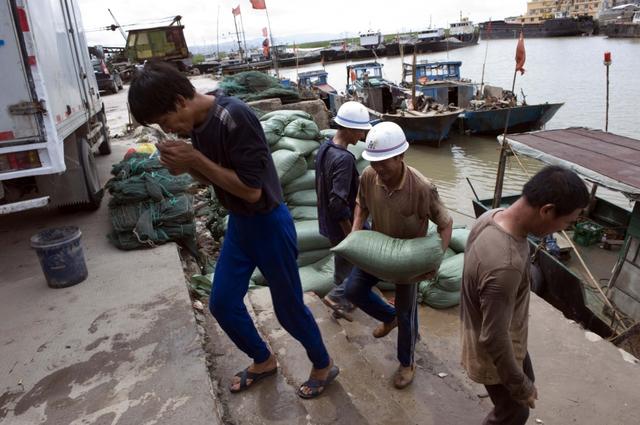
pixel 568 70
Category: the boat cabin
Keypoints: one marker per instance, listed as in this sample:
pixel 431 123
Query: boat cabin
pixel 606 298
pixel 464 27
pixel 431 35
pixel 370 72
pixel 440 81
pixel 371 39
pixel 315 84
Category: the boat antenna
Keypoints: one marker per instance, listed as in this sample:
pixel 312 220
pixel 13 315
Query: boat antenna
pixel 486 52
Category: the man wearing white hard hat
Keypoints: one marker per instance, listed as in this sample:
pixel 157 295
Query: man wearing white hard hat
pixel 337 187
pixel 400 202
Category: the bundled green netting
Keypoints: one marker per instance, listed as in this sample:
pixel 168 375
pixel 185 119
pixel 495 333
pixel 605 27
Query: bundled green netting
pixel 143 215
pixel 135 165
pixel 149 206
pixel 147 224
pixel 255 85
pixel 156 185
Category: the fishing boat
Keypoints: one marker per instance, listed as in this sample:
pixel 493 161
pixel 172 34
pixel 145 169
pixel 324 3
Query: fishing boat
pixel 315 83
pixel 387 101
pixel 606 298
pixel 484 113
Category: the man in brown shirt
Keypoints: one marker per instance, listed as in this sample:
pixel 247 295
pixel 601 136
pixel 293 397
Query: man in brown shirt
pixel 400 201
pixel 494 302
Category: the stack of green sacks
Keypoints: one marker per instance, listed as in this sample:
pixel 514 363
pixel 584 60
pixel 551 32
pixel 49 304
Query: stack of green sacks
pixel 443 291
pixel 294 139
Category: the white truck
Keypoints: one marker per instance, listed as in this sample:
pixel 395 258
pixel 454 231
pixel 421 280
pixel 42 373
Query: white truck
pixel 52 118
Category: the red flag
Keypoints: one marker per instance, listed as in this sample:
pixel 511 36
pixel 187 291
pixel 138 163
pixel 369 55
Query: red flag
pixel 265 32
pixel 521 55
pixel 236 10
pixel 258 4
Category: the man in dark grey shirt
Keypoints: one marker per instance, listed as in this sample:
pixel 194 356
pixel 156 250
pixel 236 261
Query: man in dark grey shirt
pixel 230 152
pixel 337 187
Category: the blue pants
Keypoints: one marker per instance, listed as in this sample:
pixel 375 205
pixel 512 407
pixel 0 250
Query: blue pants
pixel 358 291
pixel 267 241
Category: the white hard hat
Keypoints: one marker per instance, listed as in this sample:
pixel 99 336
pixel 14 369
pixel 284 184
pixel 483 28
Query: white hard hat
pixel 353 115
pixel 385 141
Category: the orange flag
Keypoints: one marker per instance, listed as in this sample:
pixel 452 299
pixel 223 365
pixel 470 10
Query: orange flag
pixel 521 55
pixel 258 4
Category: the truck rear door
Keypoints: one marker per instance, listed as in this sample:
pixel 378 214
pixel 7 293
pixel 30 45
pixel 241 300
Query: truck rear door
pixel 18 125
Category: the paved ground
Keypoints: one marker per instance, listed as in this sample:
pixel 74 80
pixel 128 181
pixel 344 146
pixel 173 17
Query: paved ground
pixel 120 348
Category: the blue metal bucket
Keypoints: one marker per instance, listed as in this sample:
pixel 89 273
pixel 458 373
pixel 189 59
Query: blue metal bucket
pixel 61 256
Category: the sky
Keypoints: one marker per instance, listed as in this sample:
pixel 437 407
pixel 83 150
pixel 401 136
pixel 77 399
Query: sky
pixel 290 19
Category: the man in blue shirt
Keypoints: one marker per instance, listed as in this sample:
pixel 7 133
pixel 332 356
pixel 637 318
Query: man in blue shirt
pixel 337 187
pixel 230 152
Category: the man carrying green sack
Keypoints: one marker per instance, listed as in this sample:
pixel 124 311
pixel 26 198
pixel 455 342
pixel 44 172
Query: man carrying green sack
pixel 337 187
pixel 400 201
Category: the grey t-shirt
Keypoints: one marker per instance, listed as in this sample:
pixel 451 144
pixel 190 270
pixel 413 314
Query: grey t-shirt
pixel 494 307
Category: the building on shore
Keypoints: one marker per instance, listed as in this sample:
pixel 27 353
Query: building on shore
pixel 540 10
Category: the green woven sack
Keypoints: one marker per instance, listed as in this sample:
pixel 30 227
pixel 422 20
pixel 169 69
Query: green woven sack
pixel 328 133
pixel 361 165
pixel 310 257
pixel 273 129
pixel 448 254
pixel 302 129
pixel 304 198
pixel 287 115
pixel 307 181
pixel 303 213
pixel 449 276
pixel 289 165
pixel 436 297
pixel 357 150
pixel 309 237
pixel 390 259
pixel 301 146
pixel 459 240
pixel 318 277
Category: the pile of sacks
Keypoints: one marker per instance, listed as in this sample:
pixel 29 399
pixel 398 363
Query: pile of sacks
pixel 443 291
pixel 148 205
pixel 294 140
